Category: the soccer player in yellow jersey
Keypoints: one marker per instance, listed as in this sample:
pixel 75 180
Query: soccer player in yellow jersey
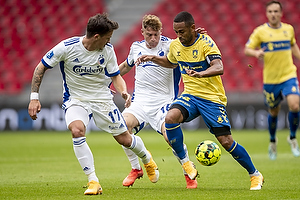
pixel 274 43
pixel 200 64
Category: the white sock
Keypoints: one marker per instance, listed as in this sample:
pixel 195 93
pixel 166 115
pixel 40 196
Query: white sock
pixel 138 147
pixel 85 157
pixel 256 173
pixel 186 153
pixel 92 177
pixel 133 158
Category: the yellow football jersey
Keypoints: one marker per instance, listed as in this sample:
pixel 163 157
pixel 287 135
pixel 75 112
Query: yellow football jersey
pixel 195 57
pixel 278 61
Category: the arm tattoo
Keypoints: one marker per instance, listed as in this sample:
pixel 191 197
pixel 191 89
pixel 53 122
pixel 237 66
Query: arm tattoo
pixel 37 78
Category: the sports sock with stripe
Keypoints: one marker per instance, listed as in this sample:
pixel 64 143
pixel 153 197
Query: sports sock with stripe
pixel 240 154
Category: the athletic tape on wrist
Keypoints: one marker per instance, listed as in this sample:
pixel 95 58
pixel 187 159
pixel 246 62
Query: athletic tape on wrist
pixel 34 95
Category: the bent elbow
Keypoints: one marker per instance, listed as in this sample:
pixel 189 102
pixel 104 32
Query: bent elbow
pixel 221 72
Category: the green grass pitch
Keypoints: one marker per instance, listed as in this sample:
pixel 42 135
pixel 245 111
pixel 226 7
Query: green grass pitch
pixel 42 165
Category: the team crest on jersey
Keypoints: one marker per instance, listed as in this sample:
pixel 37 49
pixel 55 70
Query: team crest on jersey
pixel 161 53
pixel 101 59
pixel 50 54
pixel 270 46
pixel 195 53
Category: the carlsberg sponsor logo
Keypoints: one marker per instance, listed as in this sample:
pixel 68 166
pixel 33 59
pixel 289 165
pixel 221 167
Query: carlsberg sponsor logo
pixel 87 70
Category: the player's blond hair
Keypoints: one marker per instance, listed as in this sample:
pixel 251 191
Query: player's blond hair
pixel 151 21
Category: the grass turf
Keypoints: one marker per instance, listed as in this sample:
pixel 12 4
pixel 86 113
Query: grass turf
pixel 42 165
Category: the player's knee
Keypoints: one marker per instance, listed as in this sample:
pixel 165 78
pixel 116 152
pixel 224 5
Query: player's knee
pixel 169 120
pixel 76 132
pixel 226 141
pixel 274 112
pixel 294 108
pixel 173 118
pixel 124 139
pixel 77 129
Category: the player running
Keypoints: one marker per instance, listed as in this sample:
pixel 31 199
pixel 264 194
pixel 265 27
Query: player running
pixel 86 63
pixel 274 43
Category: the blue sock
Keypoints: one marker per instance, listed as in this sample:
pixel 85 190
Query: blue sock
pixel 175 138
pixel 240 154
pixel 272 125
pixel 294 123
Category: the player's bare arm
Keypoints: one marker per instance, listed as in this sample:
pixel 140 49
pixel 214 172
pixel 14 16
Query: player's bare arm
pixel 257 53
pixel 159 60
pixel 37 77
pixel 124 68
pixel 216 68
pixel 120 86
pixel 34 106
pixel 295 51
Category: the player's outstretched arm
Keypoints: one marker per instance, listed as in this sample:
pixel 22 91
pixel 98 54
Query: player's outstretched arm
pixel 159 60
pixel 34 106
pixel 120 86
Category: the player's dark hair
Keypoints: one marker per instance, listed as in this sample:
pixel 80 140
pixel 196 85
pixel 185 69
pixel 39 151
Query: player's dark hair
pixel 274 2
pixel 100 24
pixel 185 17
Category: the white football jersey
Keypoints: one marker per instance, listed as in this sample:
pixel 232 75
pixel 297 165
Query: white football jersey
pixel 85 73
pixel 153 84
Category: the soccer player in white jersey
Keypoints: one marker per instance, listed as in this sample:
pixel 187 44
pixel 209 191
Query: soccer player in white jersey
pixel 86 63
pixel 274 43
pixel 155 89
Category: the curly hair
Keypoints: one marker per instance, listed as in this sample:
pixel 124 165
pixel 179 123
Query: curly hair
pixel 151 21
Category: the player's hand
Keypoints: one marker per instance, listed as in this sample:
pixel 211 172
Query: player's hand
pixel 34 107
pixel 143 58
pixel 201 30
pixel 127 99
pixel 260 53
pixel 193 73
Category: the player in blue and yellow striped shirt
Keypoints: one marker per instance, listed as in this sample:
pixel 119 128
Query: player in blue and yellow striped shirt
pixel 274 42
pixel 200 64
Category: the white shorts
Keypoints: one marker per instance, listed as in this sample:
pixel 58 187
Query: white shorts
pixel 154 115
pixel 106 115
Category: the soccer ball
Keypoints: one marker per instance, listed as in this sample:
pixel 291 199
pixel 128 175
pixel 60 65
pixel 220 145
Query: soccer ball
pixel 208 153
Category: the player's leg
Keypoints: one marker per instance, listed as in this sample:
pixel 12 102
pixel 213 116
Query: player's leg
pixel 221 130
pixel 239 153
pixel 177 114
pixel 136 144
pixel 293 117
pixel 136 170
pixel 272 98
pixel 108 117
pixel 77 119
pixel 190 184
pixel 272 127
